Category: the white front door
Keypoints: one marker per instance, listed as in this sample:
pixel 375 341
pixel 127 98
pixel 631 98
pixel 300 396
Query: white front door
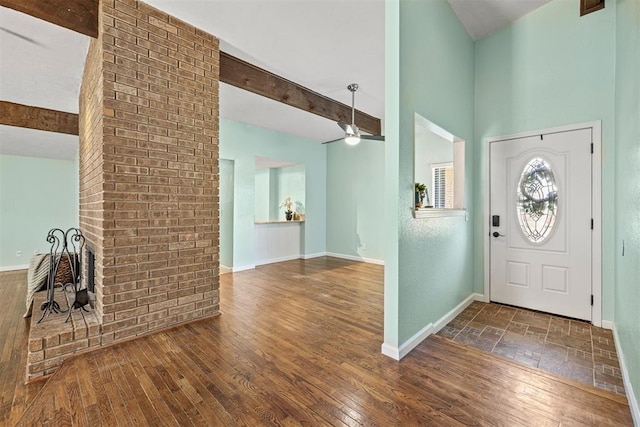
pixel 541 222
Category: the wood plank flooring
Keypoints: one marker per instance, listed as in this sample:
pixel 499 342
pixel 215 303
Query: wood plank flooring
pixel 14 335
pixel 298 343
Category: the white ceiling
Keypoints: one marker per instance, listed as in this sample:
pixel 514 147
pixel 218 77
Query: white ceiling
pixel 16 141
pixel 265 162
pixel 321 44
pixel 40 64
pixel 483 17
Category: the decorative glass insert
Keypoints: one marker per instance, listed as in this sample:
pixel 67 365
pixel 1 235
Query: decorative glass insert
pixel 537 203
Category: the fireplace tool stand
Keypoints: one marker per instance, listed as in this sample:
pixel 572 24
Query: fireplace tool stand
pixel 72 242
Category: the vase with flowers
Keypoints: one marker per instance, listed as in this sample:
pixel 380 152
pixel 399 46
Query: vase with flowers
pixel 287 204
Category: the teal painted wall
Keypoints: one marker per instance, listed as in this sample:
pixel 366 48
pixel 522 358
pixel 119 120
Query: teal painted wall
pixel 290 183
pixel 627 128
pixel 436 80
pixel 274 196
pixel 262 192
pixel 242 143
pixel 36 195
pixel 549 68
pixel 273 186
pixel 226 212
pixel 355 199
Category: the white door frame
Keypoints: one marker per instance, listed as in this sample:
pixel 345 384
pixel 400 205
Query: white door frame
pixel 596 206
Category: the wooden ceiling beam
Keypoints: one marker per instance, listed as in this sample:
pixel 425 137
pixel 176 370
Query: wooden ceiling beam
pixel 77 15
pixel 26 116
pixel 241 74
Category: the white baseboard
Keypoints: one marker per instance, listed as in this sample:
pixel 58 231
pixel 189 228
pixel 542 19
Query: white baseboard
pixel 316 255
pixel 243 268
pixel 225 270
pixel 306 256
pixel 628 388
pixel 390 351
pixel 607 324
pixel 356 258
pixel 279 259
pixel 415 340
pixel 482 298
pixel 442 322
pixel 431 328
pixel 14 267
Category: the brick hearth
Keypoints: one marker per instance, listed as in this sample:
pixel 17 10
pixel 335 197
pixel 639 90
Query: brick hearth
pixel 52 339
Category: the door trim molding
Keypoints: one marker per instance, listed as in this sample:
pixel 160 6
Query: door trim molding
pixel 596 207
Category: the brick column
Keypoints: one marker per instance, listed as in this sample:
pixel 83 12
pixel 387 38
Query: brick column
pixel 149 169
pixel 148 182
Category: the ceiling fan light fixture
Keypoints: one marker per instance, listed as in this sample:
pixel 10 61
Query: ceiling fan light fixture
pixel 352 139
pixel 351 131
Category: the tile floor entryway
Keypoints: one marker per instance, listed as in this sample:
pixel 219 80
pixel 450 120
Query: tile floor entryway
pixel 565 347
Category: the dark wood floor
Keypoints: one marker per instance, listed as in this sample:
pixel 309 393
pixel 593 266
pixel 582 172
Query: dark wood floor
pixel 14 334
pixel 298 343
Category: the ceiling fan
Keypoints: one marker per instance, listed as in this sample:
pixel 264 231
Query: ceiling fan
pixel 352 133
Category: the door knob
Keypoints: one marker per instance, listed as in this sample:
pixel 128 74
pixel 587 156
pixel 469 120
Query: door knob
pixel 496 234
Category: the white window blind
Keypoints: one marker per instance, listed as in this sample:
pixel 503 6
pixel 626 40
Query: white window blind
pixel 443 186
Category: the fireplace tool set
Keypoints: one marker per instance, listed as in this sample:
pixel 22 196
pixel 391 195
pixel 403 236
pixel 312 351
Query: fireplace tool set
pixel 65 268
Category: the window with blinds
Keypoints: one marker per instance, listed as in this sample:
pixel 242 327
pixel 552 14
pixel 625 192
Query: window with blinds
pixel 443 186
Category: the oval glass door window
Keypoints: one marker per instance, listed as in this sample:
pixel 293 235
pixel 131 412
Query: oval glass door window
pixel 537 202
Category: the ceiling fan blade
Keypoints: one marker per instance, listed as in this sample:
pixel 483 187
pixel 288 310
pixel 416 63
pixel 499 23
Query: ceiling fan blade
pixel 373 137
pixel 369 137
pixel 347 128
pixel 335 140
pixel 21 36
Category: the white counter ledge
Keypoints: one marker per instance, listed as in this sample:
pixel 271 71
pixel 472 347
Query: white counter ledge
pixel 284 221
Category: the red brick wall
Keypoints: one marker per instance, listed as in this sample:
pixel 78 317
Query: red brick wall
pixel 160 170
